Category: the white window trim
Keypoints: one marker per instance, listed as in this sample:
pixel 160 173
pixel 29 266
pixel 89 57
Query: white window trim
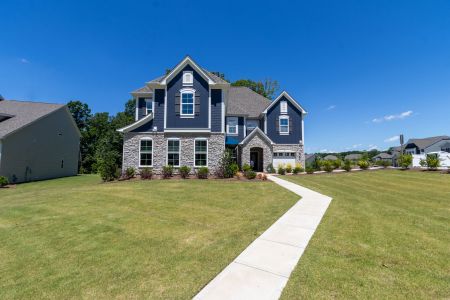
pixel 207 152
pixel 147 100
pixel 179 151
pixel 185 83
pixel 145 139
pixel 279 124
pixel 187 91
pixel 284 102
pixel 237 126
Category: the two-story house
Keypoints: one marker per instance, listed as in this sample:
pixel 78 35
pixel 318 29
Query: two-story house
pixel 190 116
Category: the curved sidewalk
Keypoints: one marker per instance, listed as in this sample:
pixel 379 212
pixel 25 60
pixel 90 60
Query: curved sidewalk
pixel 262 270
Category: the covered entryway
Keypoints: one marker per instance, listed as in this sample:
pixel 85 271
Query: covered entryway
pixel 256 159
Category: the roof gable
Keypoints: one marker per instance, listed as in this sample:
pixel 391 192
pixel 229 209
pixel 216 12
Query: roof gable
pixel 287 96
pixel 255 132
pixel 187 61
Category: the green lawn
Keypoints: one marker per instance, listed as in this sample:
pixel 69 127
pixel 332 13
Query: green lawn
pixel 78 238
pixel 386 234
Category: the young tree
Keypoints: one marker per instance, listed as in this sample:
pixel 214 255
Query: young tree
pixel 405 160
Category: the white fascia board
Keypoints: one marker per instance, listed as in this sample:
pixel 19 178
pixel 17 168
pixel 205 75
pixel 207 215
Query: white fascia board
pixel 136 124
pixel 256 130
pixel 285 94
pixel 188 130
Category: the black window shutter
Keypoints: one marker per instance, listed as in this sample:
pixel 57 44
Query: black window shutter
pixel 177 104
pixel 277 124
pixel 290 125
pixel 197 104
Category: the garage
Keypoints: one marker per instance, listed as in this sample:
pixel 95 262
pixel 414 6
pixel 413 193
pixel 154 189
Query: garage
pixel 283 157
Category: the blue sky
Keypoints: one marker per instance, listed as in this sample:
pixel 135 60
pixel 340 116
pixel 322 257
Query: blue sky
pixel 365 70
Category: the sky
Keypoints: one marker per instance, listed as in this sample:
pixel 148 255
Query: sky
pixel 365 71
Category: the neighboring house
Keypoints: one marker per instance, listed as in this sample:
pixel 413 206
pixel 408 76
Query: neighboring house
pixel 427 145
pixel 353 157
pixel 330 157
pixel 309 159
pixel 37 141
pixel 190 116
pixel 384 157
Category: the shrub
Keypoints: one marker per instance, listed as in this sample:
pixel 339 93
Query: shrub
pixel 288 168
pixel 384 163
pixel 423 162
pixel 227 168
pixel 146 173
pixel 327 166
pixel 432 162
pixel 202 173
pixel 184 172
pixel 405 160
pixel 167 171
pixel 250 174
pixel 129 173
pixel 363 164
pixel 107 167
pixel 281 169
pixel 246 167
pixel 309 170
pixel 270 169
pixel 3 181
pixel 347 165
pixel 337 163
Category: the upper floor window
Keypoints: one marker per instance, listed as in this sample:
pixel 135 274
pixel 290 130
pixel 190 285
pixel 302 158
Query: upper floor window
pixel 148 106
pixel 251 125
pixel 284 124
pixel 201 153
pixel 187 102
pixel 173 152
pixel 145 152
pixel 188 78
pixel 232 125
pixel 283 107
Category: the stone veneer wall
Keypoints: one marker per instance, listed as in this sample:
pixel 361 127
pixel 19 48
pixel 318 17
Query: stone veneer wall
pixel 216 146
pixel 297 148
pixel 257 141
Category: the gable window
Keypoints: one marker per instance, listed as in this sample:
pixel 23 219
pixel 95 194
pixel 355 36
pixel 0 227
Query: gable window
pixel 188 78
pixel 284 125
pixel 201 153
pixel 173 152
pixel 145 152
pixel 187 102
pixel 283 107
pixel 232 125
pixel 148 106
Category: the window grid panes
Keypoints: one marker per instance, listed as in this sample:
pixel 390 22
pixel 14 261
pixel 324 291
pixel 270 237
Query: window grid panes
pixel 187 104
pixel 284 125
pixel 146 148
pixel 232 125
pixel 201 153
pixel 173 153
pixel 148 106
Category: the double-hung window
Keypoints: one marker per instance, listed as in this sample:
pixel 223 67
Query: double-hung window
pixel 201 153
pixel 187 102
pixel 284 125
pixel 232 125
pixel 145 153
pixel 173 153
pixel 148 106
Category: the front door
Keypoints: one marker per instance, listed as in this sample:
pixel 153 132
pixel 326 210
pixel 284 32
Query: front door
pixel 254 160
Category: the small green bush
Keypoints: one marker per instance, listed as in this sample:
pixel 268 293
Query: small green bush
pixel 281 170
pixel 327 166
pixel 246 167
pixel 433 162
pixel 288 168
pixel 310 169
pixel 146 173
pixel 184 172
pixel 347 165
pixel 227 167
pixel 250 174
pixel 3 181
pixel 234 168
pixel 129 172
pixel 167 171
pixel 337 163
pixel 384 163
pixel 270 169
pixel 107 167
pixel 202 173
pixel 363 164
pixel 405 160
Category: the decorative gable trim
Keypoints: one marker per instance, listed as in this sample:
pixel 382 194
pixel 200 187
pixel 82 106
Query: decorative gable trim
pixel 253 133
pixel 287 96
pixel 187 61
pixel 136 124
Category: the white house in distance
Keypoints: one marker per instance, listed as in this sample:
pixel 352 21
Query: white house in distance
pixel 419 148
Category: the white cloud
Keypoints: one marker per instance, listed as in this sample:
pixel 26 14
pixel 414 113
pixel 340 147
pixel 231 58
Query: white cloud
pixel 399 116
pixel 392 139
pixel 353 147
pixel 331 107
pixel 326 151
pixel 24 61
pixel 372 147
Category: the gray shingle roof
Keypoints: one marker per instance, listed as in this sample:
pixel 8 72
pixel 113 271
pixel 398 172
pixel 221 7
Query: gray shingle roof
pixel 383 156
pixel 244 101
pixel 330 157
pixel 426 142
pixel 144 89
pixel 23 113
pixel 353 156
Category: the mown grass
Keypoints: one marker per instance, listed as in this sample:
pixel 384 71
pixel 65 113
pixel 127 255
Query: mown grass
pixel 78 238
pixel 386 234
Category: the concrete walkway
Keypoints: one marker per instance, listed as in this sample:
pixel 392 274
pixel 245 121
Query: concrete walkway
pixel 263 269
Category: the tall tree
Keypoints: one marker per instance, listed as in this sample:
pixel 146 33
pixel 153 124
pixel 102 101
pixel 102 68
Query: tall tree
pixel 266 88
pixel 80 112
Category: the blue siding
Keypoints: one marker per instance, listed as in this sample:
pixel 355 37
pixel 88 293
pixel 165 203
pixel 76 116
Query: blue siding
pixel 295 123
pixel 202 88
pixel 158 110
pixel 238 138
pixel 216 110
pixel 141 108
